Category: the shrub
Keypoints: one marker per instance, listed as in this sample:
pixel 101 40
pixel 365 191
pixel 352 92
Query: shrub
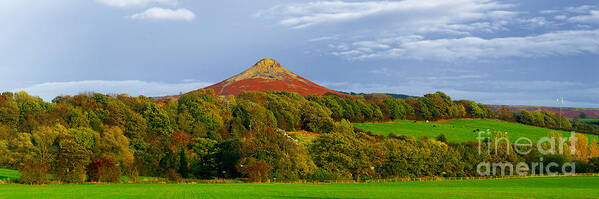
pixel 33 173
pixel 172 175
pixel 593 165
pixel 103 170
pixel 442 138
pixel 255 170
pixel 324 175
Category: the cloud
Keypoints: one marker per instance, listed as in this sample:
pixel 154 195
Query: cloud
pixel 165 14
pixel 324 38
pixel 560 17
pixel 131 3
pixel 434 15
pixel 473 48
pixel 49 90
pixel 592 17
pixel 579 9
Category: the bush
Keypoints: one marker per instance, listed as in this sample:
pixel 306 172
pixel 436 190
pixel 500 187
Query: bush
pixel 172 175
pixel 255 170
pixel 324 175
pixel 33 173
pixel 103 170
pixel 442 138
pixel 593 165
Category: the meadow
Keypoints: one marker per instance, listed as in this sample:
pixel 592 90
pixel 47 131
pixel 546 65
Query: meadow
pixel 459 130
pixel 532 187
pixel 589 120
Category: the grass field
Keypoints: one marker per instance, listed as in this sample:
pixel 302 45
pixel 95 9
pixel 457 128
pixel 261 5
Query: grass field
pixel 589 120
pixel 9 174
pixel 538 187
pixel 459 130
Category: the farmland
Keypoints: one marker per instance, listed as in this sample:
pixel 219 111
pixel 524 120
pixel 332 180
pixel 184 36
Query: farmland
pixel 535 187
pixel 589 120
pixel 458 130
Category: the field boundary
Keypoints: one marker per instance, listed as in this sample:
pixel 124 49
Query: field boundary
pixel 427 179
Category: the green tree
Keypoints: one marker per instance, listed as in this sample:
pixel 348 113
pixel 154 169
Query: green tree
pixel 183 163
pixel 72 160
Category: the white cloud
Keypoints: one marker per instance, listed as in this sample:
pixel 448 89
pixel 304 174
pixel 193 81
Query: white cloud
pixel 560 17
pixel 549 11
pixel 130 3
pixel 165 14
pixel 417 15
pixel 535 22
pixel 324 38
pixel 592 17
pixel 473 48
pixel 49 90
pixel 579 9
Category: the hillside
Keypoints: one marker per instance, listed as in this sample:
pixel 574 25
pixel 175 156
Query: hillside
pixel 567 112
pixel 267 75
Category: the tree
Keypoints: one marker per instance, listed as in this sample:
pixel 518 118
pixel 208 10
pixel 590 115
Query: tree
pixel 9 111
pixel 33 173
pixel 72 160
pixel 103 170
pixel 442 138
pixel 168 162
pixel 114 145
pixel 44 139
pixel 286 158
pixel 207 120
pixel 183 163
pixel 158 120
pixel 354 155
pixel 256 170
pixel 316 118
pixel 250 116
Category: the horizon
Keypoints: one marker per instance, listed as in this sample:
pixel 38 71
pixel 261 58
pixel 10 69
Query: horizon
pixel 492 52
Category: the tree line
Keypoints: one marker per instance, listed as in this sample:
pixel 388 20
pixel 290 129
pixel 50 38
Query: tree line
pixel 201 135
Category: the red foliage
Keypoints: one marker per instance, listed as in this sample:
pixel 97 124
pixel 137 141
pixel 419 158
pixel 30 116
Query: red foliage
pixel 103 170
pixel 181 138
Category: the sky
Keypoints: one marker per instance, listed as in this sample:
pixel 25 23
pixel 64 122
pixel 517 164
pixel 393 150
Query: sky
pixel 515 52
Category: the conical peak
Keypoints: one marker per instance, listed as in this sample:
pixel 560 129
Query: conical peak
pixel 267 62
pixel 264 69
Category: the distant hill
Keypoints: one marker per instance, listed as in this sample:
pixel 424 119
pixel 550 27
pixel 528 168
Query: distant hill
pixel 568 112
pixel 393 95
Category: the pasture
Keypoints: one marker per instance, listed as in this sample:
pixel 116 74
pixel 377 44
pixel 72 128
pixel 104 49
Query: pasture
pixel 459 130
pixel 532 187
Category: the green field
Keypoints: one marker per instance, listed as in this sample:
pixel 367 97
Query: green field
pixel 459 130
pixel 589 120
pixel 9 174
pixel 538 187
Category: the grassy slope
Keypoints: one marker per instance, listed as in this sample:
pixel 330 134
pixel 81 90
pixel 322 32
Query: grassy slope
pixel 540 187
pixel 9 174
pixel 459 130
pixel 589 120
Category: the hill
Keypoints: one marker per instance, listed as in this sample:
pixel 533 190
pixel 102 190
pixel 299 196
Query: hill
pixel 459 130
pixel 267 75
pixel 392 95
pixel 567 112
